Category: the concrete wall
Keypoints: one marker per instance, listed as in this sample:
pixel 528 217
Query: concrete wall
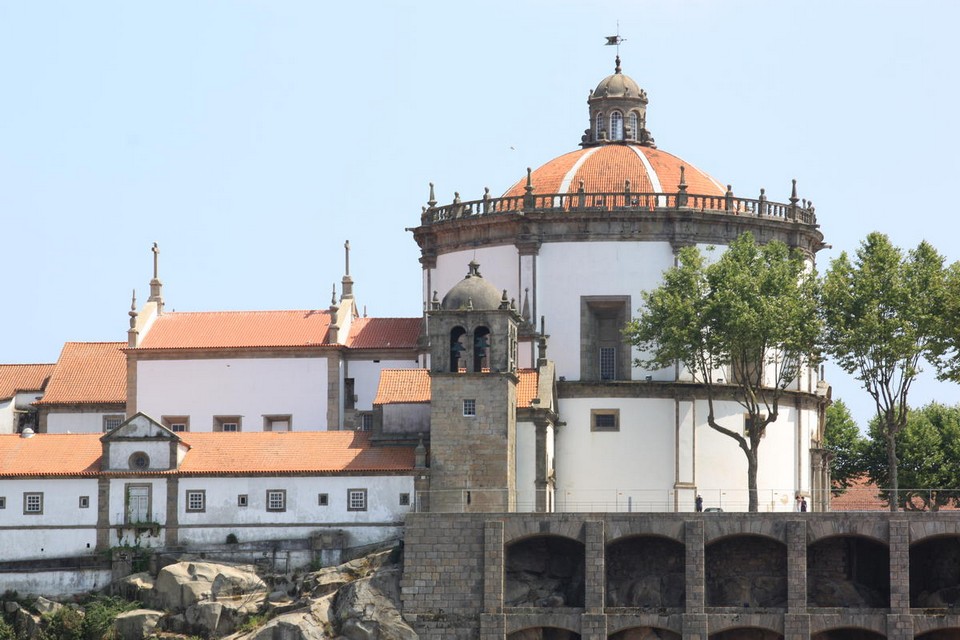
pixel 66 582
pixel 454 575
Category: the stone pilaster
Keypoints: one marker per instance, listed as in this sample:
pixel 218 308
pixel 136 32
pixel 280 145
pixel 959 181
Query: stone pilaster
pixel 899 627
pixel 593 626
pixel 493 626
pixel 797 566
pixel 493 567
pixel 541 466
pixel 172 522
pixel 694 625
pixel 595 576
pixel 796 626
pixel 695 569
pixel 899 567
pixel 103 514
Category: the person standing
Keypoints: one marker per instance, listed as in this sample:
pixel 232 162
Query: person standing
pixel 699 503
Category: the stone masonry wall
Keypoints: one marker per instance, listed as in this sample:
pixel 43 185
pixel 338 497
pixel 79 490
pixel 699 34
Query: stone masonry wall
pixel 455 574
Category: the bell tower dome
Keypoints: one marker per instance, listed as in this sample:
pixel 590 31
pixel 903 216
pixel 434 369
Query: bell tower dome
pixel 618 112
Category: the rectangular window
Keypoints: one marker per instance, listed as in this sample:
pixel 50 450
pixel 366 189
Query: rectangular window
pixel 277 500
pixel 356 499
pixel 470 407
pixel 84 502
pixel 323 499
pixel 349 393
pixel 277 423
pixel 608 363
pixel 138 503
pixel 226 424
pixel 112 422
pixel 242 500
pixel 177 424
pixel 366 422
pixel 3 502
pixel 196 501
pixel 404 499
pixel 33 504
pixel 605 419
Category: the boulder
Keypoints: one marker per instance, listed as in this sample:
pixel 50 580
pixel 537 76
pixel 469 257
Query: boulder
pixel 42 606
pixel 368 609
pixel 184 584
pixel 137 624
pixel 135 587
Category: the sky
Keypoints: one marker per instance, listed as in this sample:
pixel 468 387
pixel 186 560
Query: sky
pixel 251 139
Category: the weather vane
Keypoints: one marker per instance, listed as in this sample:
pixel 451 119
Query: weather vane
pixel 615 40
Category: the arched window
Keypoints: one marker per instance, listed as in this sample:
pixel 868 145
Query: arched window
pixel 599 127
pixel 616 126
pixel 458 357
pixel 633 121
pixel 481 349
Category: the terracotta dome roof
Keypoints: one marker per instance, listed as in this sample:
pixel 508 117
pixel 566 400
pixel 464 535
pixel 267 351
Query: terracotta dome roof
pixel 605 169
pixel 473 292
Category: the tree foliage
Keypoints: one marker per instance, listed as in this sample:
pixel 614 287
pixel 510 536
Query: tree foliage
pixel 742 325
pixel 881 313
pixel 842 438
pixel 929 451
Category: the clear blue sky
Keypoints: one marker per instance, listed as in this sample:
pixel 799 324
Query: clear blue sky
pixel 250 139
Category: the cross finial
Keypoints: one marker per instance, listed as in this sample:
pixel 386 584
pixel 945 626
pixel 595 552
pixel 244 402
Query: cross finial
pixel 346 250
pixel 156 259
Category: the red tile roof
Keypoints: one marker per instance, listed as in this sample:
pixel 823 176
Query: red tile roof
pixel 384 333
pixel 605 169
pixel 403 386
pixel 213 454
pixel 408 386
pixel 305 451
pixel 15 378
pixel 237 329
pixel 88 373
pixel 55 454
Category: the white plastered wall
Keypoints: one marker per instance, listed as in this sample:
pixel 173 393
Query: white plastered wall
pixel 7 416
pixel 117 512
pixel 247 387
pixel 77 421
pixel 303 512
pixel 63 529
pixel 526 471
pixel 366 378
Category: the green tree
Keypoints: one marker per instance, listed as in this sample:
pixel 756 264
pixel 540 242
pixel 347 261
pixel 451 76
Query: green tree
pixel 929 452
pixel 749 318
pixel 881 314
pixel 841 436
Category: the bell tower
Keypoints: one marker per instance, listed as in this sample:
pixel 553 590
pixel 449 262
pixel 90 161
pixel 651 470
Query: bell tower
pixel 473 408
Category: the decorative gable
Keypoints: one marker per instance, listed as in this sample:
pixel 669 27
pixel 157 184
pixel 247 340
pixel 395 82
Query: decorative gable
pixel 140 445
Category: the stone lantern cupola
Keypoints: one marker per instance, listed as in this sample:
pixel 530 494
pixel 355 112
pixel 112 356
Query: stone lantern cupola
pixel 618 112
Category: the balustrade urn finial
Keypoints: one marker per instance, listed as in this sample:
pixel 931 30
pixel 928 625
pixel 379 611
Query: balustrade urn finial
pixel 432 202
pixel 793 193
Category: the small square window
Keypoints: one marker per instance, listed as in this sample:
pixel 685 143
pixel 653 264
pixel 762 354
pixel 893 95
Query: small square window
pixel 84 502
pixel 366 422
pixel 177 424
pixel 33 504
pixel 3 502
pixel 242 500
pixel 605 420
pixel 112 422
pixel 470 407
pixel 196 501
pixel 356 499
pixel 323 499
pixel 227 424
pixel 404 499
pixel 276 500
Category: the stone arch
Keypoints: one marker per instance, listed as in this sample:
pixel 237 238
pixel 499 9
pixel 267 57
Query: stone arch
pixel 716 529
pixel 746 571
pixel 820 528
pixel 935 572
pixel 831 623
pixel 848 571
pixel 544 633
pixel 848 633
pixel 458 349
pixel 517 528
pixel 646 571
pixel 645 633
pixel 618 528
pixel 746 633
pixel 544 571
pixel 946 633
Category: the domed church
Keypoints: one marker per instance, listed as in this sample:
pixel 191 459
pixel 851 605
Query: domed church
pixel 536 403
